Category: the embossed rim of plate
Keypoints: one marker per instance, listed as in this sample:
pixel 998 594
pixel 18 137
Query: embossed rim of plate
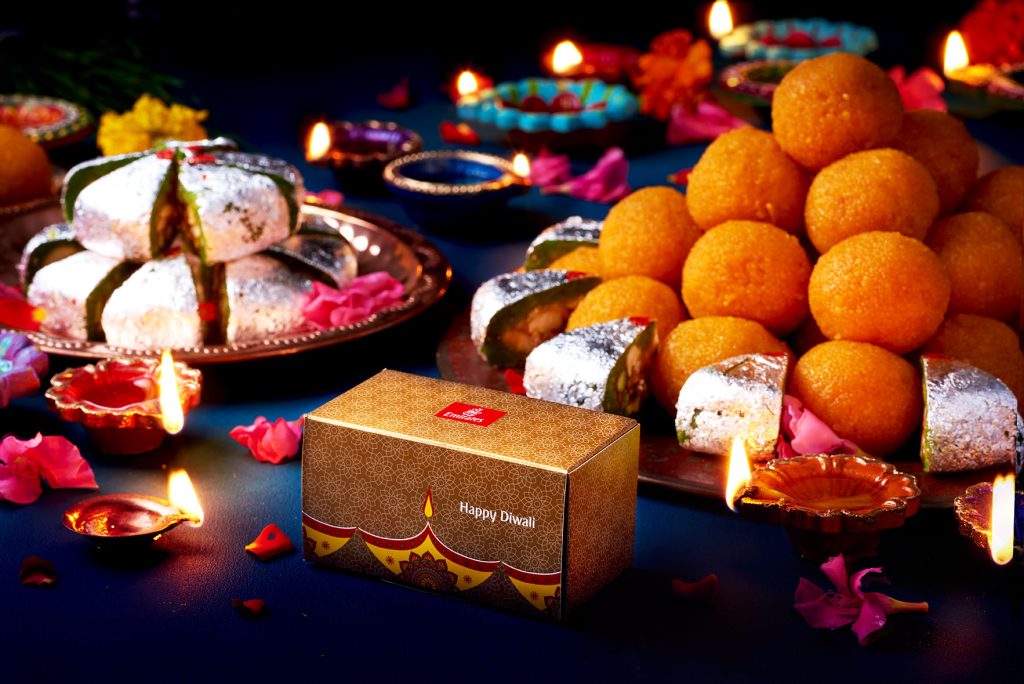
pixel 394 175
pixel 887 513
pixel 432 282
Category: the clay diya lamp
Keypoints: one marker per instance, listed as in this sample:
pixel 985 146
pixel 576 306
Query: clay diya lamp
pixel 119 401
pixel 135 520
pixel 453 187
pixel 991 515
pixel 755 82
pixel 831 504
pixel 357 152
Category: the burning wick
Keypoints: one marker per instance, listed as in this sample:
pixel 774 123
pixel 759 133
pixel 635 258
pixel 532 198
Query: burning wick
pixel 467 83
pixel 566 57
pixel 319 142
pixel 521 165
pixel 1000 536
pixel 171 413
pixel 739 473
pixel 183 496
pixel 719 20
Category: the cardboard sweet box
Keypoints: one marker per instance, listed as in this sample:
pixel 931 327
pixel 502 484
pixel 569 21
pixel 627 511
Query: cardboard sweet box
pixel 489 496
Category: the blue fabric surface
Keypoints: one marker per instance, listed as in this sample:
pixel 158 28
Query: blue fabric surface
pixel 167 615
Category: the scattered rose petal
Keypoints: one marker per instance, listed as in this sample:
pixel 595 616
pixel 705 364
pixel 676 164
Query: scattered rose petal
pixel 702 591
pixel 396 98
pixel 38 572
pixel 805 433
pixel 326 198
pixel 549 169
pixel 328 307
pixel 21 364
pixel 16 313
pixel 849 604
pixel 607 182
pixel 25 463
pixel 514 380
pixel 252 609
pixel 680 177
pixel 921 90
pixel 459 133
pixel 270 442
pixel 708 121
pixel 271 543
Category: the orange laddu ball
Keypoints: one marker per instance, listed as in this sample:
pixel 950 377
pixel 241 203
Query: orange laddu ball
pixel 744 174
pixel 942 144
pixel 582 259
pixel 626 297
pixel 868 395
pixel 702 341
pixel 648 233
pixel 873 190
pixel 1001 193
pixel 882 288
pixel 988 344
pixel 831 106
pixel 984 262
pixel 750 270
pixel 24 167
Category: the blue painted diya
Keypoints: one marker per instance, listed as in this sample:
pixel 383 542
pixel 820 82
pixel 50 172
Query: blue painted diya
pixel 359 152
pixel 553 113
pixel 796 39
pixel 452 187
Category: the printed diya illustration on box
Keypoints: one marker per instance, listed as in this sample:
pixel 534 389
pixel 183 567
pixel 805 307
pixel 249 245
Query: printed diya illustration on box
pixel 496 498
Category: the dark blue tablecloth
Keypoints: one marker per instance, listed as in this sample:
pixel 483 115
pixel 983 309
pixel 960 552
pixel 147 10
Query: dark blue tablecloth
pixel 167 615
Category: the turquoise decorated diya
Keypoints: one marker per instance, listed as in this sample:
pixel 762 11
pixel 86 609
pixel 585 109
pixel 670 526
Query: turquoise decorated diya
pixel 553 113
pixel 796 39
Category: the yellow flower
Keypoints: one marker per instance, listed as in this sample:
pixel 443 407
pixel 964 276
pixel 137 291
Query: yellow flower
pixel 148 123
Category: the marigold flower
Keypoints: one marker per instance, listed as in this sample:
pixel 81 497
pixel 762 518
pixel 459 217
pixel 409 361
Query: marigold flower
pixel 147 124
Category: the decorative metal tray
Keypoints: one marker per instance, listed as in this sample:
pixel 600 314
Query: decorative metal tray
pixel 662 461
pixel 380 245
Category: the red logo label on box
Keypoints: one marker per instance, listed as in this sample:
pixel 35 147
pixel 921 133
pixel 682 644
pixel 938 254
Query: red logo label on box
pixel 467 413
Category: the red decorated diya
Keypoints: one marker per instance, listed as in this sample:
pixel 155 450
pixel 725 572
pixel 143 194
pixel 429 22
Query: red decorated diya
pixel 118 401
pixel 831 503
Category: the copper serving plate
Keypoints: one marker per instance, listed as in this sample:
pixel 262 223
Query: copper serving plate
pixel 662 461
pixel 380 245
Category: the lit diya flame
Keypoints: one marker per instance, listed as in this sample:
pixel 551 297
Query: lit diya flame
pixel 521 165
pixel 318 144
pixel 171 413
pixel 1000 536
pixel 467 83
pixel 739 473
pixel 954 57
pixel 719 19
pixel 565 57
pixel 183 496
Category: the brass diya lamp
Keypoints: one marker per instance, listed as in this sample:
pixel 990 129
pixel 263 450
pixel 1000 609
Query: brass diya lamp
pixel 127 405
pixel 133 520
pixel 828 503
pixel 987 513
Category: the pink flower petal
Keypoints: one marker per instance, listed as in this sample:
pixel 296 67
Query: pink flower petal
pixel 871 617
pixel 270 442
pixel 366 295
pixel 607 182
pixel 326 198
pixel 808 434
pixel 835 569
pixel 548 169
pixel 27 462
pixel 396 98
pixel 921 90
pixel 708 122
pixel 819 609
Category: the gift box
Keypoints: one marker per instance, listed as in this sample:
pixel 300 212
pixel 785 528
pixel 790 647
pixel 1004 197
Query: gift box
pixel 492 497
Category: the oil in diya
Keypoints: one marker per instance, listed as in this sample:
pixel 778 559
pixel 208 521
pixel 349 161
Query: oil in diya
pixel 134 520
pixel 128 405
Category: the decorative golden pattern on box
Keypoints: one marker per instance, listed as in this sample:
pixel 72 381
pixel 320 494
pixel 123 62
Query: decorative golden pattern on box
pixel 494 497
